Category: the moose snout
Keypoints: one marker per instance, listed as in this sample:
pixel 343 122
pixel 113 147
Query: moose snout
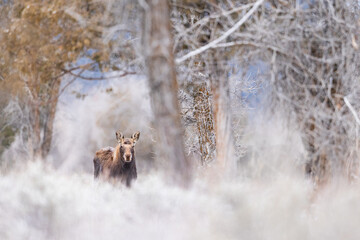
pixel 127 157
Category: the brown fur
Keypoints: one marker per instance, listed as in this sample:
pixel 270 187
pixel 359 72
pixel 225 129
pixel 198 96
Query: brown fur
pixel 118 163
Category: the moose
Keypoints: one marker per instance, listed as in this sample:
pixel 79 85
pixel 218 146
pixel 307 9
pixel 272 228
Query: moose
pixel 118 163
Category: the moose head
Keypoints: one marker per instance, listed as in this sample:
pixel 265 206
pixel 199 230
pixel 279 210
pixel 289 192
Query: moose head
pixel 127 146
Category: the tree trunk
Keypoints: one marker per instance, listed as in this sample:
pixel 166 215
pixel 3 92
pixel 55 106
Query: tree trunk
pixel 160 64
pixel 35 131
pixel 42 115
pixel 204 122
pixel 50 111
pixel 225 150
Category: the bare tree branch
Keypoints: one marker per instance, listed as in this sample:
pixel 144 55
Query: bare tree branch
pixel 223 37
pixel 348 104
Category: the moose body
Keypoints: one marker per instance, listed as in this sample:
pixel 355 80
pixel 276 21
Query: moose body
pixel 119 162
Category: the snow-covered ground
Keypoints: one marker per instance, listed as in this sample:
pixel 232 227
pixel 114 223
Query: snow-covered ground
pixel 40 203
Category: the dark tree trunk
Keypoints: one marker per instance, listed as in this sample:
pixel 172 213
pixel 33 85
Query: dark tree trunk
pixel 158 47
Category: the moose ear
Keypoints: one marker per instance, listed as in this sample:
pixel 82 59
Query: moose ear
pixel 135 136
pixel 119 136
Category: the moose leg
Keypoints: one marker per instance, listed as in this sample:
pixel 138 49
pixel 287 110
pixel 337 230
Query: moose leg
pixel 96 167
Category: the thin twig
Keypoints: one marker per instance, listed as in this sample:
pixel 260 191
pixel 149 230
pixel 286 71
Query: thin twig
pixel 68 84
pixel 97 78
pixel 352 110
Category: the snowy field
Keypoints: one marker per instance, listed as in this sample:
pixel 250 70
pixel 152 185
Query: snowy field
pixel 39 203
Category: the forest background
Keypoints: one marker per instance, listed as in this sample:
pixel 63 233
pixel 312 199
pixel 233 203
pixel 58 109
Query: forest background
pixel 243 94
